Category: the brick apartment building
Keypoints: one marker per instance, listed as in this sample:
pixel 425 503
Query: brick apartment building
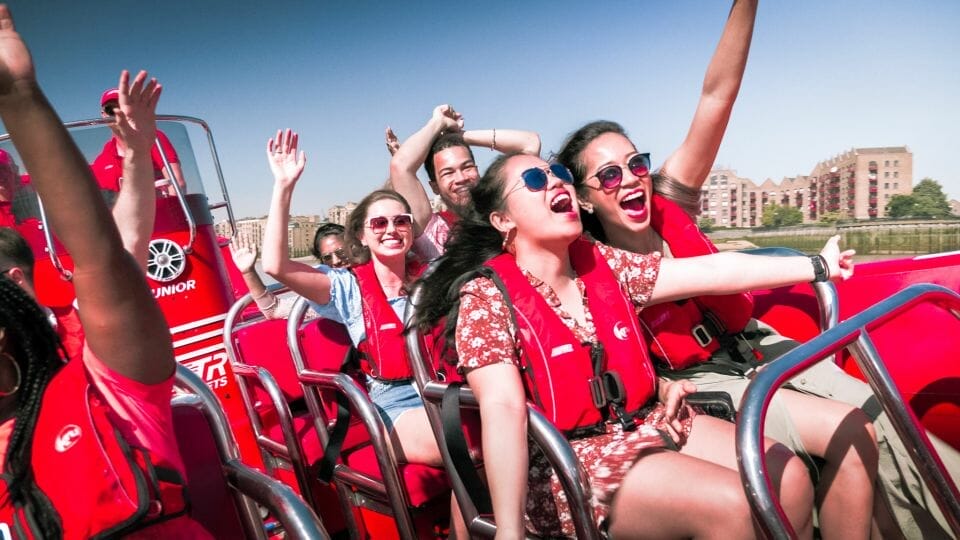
pixel 856 184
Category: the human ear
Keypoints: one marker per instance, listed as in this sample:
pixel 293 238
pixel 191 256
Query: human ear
pixel 502 222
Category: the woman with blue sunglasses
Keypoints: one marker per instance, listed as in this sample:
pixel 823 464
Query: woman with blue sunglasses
pixel 518 263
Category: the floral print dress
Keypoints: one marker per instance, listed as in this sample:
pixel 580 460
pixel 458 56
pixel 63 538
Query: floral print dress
pixel 486 336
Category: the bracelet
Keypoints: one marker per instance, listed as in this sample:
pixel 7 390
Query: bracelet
pixel 261 295
pixel 493 146
pixel 821 272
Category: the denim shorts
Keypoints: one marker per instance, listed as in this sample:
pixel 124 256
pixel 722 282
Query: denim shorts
pixel 392 398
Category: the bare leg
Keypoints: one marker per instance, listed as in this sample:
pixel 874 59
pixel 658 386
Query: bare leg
pixel 416 442
pixel 415 438
pixel 706 492
pixel 844 437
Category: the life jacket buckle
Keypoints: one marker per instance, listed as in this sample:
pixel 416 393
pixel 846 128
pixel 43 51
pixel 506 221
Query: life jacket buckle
pixel 701 335
pixel 597 392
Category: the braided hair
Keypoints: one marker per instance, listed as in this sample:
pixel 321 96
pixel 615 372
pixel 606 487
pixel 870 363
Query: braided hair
pixel 37 350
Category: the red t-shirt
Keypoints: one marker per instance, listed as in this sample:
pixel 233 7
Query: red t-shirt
pixel 108 166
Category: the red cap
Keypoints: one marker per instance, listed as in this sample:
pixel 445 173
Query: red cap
pixel 110 95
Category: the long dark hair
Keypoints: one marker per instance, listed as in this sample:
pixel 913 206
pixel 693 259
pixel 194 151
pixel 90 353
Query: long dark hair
pixel 36 349
pixel 473 241
pixel 571 155
pixel 359 253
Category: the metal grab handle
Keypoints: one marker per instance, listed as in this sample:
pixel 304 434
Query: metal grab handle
pixel 216 164
pixel 191 221
pixel 554 445
pixel 51 248
pixel 852 333
pixel 251 486
pixel 828 299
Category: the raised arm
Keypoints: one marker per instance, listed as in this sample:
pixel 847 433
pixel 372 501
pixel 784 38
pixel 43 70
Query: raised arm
pixel 135 208
pixel 410 156
pixel 731 272
pixel 123 324
pixel 287 166
pixel 691 163
pixel 505 140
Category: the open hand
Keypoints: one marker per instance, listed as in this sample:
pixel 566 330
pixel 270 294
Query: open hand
pixel 244 257
pixel 16 66
pixel 285 163
pixel 136 115
pixel 839 263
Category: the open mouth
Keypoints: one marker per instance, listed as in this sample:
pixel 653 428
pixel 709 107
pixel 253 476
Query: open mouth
pixel 562 203
pixel 635 204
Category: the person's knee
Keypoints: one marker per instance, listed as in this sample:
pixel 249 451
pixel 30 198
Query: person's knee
pixel 856 437
pixel 793 483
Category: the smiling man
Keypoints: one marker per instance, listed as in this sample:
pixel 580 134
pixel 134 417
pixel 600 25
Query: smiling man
pixel 443 148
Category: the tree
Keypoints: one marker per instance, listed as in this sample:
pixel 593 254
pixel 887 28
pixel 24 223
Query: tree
pixel 931 201
pixel 781 216
pixel 901 206
pixel 705 224
pixel 928 201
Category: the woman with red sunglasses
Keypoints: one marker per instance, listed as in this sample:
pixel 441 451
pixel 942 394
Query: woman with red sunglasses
pixel 369 298
pixel 542 314
pixel 626 206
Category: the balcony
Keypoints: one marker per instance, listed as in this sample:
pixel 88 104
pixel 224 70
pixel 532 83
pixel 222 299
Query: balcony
pixel 873 190
pixel 872 212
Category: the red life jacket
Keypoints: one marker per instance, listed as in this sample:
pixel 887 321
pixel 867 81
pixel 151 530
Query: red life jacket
pixel 99 485
pixel 384 353
pixel 575 384
pixel 450 217
pixel 685 333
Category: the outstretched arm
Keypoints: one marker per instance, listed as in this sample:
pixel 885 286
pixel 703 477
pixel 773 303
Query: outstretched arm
pixel 731 272
pixel 691 163
pixel 287 166
pixel 135 208
pixel 410 156
pixel 123 324
pixel 505 140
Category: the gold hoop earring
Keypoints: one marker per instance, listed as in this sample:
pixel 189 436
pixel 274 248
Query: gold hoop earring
pixel 16 366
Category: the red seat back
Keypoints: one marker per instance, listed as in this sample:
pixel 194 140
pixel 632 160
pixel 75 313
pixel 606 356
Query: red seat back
pixel 211 502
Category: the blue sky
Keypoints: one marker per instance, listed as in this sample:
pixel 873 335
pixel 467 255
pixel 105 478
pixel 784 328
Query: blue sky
pixel 823 76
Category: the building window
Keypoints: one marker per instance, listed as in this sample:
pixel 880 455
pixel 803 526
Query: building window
pixel 886 163
pixel 713 203
pixel 896 185
pixel 886 195
pixel 886 174
pixel 724 203
pixel 896 163
pixel 896 174
pixel 886 185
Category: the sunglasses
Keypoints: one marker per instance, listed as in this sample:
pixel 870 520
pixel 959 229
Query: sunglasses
pixel 378 224
pixel 535 178
pixel 110 109
pixel 612 175
pixel 327 258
